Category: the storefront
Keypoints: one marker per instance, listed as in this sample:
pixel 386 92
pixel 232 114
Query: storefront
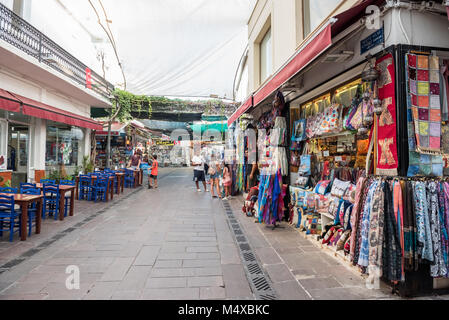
pixel 38 140
pixel 367 138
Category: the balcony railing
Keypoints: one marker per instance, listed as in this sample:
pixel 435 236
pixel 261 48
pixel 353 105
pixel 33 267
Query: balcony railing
pixel 22 35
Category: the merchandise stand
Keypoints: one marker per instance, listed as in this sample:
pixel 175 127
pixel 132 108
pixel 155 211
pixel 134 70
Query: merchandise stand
pixel 368 158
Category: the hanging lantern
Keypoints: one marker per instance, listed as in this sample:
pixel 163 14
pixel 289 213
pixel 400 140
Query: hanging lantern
pixel 369 119
pixel 371 74
pixel 377 106
pixel 363 131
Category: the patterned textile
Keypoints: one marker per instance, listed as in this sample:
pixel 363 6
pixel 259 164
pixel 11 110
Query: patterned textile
pixel 387 163
pixel 419 164
pixel 365 226
pixel 358 236
pixel 444 81
pixel 424 239
pixel 398 208
pixel 376 233
pixel 426 105
pixel 355 214
pixel 438 267
pixel 391 250
pixel 443 225
pixel 410 251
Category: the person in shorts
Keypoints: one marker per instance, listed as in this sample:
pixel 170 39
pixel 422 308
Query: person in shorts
pixel 198 172
pixel 152 181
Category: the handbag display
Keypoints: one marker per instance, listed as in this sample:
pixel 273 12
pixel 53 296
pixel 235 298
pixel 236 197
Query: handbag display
pixel 305 168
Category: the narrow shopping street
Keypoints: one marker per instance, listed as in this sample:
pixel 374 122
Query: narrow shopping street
pixel 170 243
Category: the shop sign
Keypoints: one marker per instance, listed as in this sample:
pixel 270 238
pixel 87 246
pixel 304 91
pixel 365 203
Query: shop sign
pixel 105 133
pixel 372 41
pixel 164 143
pixel 88 78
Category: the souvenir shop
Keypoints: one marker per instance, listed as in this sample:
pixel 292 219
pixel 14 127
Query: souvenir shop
pixel 368 169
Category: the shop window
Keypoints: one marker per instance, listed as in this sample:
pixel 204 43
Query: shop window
pixel 314 12
pixel 266 60
pixel 63 145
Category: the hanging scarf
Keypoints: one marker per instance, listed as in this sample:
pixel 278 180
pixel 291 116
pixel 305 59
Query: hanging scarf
pixel 424 239
pixel 358 237
pixel 376 234
pixel 443 226
pixel 391 251
pixel 410 251
pixel 355 214
pixel 365 226
pixel 438 267
pixel 399 215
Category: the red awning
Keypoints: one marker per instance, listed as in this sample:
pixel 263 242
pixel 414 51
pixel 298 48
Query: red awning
pixel 9 102
pixel 350 16
pixel 241 110
pixel 305 55
pixel 43 111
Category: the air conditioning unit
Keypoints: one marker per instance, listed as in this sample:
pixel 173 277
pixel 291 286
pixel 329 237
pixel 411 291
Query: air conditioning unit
pixel 339 57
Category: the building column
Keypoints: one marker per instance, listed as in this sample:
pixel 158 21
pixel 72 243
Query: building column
pixel 38 137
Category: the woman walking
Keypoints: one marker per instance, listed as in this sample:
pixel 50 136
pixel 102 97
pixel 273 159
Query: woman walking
pixel 214 168
pixel 227 181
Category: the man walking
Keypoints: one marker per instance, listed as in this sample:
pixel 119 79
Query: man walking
pixel 198 172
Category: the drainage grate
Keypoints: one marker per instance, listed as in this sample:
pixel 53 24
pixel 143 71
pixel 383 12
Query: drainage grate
pixel 258 281
pixel 254 269
pixel 249 257
pixel 31 252
pixel 241 239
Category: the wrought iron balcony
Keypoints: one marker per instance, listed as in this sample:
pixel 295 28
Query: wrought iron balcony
pixel 22 35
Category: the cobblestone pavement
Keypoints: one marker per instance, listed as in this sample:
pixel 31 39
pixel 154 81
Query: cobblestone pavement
pixel 167 243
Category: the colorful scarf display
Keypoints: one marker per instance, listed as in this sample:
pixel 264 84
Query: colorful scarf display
pixel 419 164
pixel 424 84
pixel 387 162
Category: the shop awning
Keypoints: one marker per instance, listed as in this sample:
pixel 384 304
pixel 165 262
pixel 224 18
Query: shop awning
pixel 308 52
pixel 303 56
pixel 43 111
pixel 241 110
pixel 9 102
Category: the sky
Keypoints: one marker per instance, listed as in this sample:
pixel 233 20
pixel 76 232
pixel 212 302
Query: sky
pixel 188 48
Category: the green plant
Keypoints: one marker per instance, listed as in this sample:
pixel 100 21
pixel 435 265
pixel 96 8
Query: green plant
pixel 8 183
pixel 88 165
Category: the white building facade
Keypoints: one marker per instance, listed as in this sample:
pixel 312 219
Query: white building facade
pixel 46 96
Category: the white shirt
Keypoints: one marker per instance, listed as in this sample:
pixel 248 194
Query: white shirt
pixel 197 159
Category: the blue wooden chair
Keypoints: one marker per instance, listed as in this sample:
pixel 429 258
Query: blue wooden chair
pixel 10 218
pixel 67 197
pixel 32 209
pixel 9 190
pixel 48 181
pixel 85 188
pixel 129 178
pixel 99 189
pixel 51 201
pixel 24 186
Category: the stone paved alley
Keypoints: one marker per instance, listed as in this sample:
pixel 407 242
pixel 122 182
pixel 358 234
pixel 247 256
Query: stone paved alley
pixel 169 243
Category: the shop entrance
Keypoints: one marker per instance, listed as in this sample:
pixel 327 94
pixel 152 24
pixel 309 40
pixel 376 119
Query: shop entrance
pixel 18 148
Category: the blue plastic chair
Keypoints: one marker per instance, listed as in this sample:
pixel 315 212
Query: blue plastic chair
pixel 67 197
pixel 51 201
pixel 99 189
pixel 9 190
pixel 9 217
pixel 129 178
pixel 85 187
pixel 48 181
pixel 32 209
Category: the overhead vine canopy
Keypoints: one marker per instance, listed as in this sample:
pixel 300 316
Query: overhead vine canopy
pixel 130 103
